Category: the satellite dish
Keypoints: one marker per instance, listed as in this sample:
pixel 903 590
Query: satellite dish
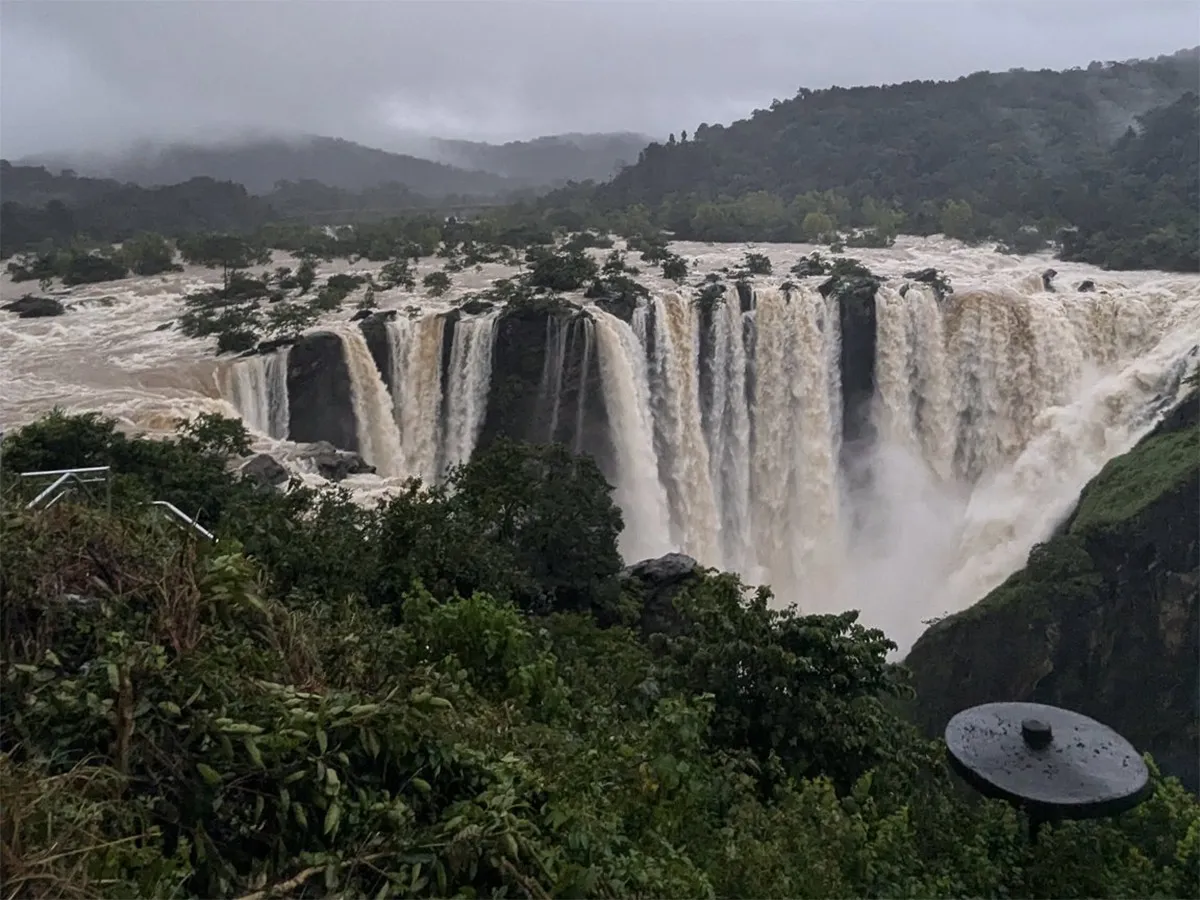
pixel 1052 762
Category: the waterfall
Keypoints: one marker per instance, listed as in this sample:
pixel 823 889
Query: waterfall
pixel 549 398
pixel 467 391
pixel 415 348
pixel 378 437
pixel 585 328
pixel 992 408
pixel 795 479
pixel 676 392
pixel 257 387
pixel 626 389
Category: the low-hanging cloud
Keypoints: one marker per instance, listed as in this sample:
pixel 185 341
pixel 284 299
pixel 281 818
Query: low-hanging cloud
pixel 99 74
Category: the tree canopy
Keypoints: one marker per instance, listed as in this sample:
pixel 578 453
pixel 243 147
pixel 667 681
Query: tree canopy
pixel 456 694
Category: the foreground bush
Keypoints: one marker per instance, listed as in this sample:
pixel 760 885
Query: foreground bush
pixel 204 720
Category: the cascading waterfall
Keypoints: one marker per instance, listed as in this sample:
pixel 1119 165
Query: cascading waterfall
pixel 415 349
pixel 676 396
pixel 378 436
pixel 257 387
pixel 467 390
pixel 991 408
pixel 985 391
pixel 729 437
pixel 626 389
pixel 553 368
pixel 795 478
pixel 584 331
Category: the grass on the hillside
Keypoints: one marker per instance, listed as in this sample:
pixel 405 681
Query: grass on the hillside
pixel 1130 483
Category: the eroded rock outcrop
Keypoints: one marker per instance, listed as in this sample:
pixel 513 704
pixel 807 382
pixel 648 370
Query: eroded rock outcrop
pixel 545 384
pixel 1104 618
pixel 655 582
pixel 320 404
pixel 374 329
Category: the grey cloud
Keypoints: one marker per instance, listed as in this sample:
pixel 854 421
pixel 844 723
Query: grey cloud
pixel 98 72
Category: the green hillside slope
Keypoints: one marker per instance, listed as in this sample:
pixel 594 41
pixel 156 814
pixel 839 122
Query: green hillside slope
pixel 983 155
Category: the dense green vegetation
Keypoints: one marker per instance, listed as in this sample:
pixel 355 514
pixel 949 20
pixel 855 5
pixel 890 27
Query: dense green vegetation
pixel 1013 156
pixel 1102 164
pixel 455 694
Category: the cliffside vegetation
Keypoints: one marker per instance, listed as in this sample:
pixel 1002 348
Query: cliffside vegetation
pixel 457 694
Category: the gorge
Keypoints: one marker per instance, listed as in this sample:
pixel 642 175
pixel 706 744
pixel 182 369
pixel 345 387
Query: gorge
pixel 900 456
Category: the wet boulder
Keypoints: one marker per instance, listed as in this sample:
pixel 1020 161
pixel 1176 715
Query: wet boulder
pixel 31 307
pixel 332 463
pixel 656 582
pixel 265 470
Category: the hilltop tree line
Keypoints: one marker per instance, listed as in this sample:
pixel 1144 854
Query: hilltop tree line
pixel 42 209
pixel 460 692
pixel 1102 164
pixel 1017 157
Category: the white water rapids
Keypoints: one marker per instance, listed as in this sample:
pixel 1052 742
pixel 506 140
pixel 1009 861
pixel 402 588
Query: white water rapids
pixel 992 408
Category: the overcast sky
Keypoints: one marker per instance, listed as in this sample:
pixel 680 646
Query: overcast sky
pixel 97 73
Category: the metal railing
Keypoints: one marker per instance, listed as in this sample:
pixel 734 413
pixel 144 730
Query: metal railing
pixel 67 480
pixel 174 512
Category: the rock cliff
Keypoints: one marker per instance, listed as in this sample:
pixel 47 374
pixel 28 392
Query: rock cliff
pixel 318 385
pixel 545 384
pixel 1104 618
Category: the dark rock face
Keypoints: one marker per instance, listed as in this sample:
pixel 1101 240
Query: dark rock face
pixel 265 470
pixel 1086 286
pixel 319 398
pixel 925 276
pixel 374 329
pixel 1105 618
pixel 476 306
pixel 745 292
pixel 856 310
pixel 622 306
pixel 657 581
pixel 333 463
pixel 545 385
pixel 31 307
pixel 272 345
pixel 1048 279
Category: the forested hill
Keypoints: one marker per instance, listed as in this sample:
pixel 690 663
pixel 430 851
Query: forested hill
pixel 551 160
pixel 40 206
pixel 1002 149
pixel 260 164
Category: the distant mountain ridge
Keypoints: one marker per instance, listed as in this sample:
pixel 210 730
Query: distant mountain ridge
pixel 551 160
pixel 463 168
pixel 259 164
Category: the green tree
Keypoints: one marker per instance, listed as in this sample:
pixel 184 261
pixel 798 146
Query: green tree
pixel 436 283
pixel 227 252
pixel 958 220
pixel 816 226
pixel 675 268
pixel 149 254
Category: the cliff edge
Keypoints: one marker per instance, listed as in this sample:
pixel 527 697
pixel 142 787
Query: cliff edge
pixel 1104 618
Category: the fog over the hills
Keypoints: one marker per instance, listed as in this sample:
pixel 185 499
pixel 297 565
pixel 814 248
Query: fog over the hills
pixel 99 74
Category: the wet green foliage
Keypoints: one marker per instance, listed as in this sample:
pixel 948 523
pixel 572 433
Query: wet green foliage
pixel 445 696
